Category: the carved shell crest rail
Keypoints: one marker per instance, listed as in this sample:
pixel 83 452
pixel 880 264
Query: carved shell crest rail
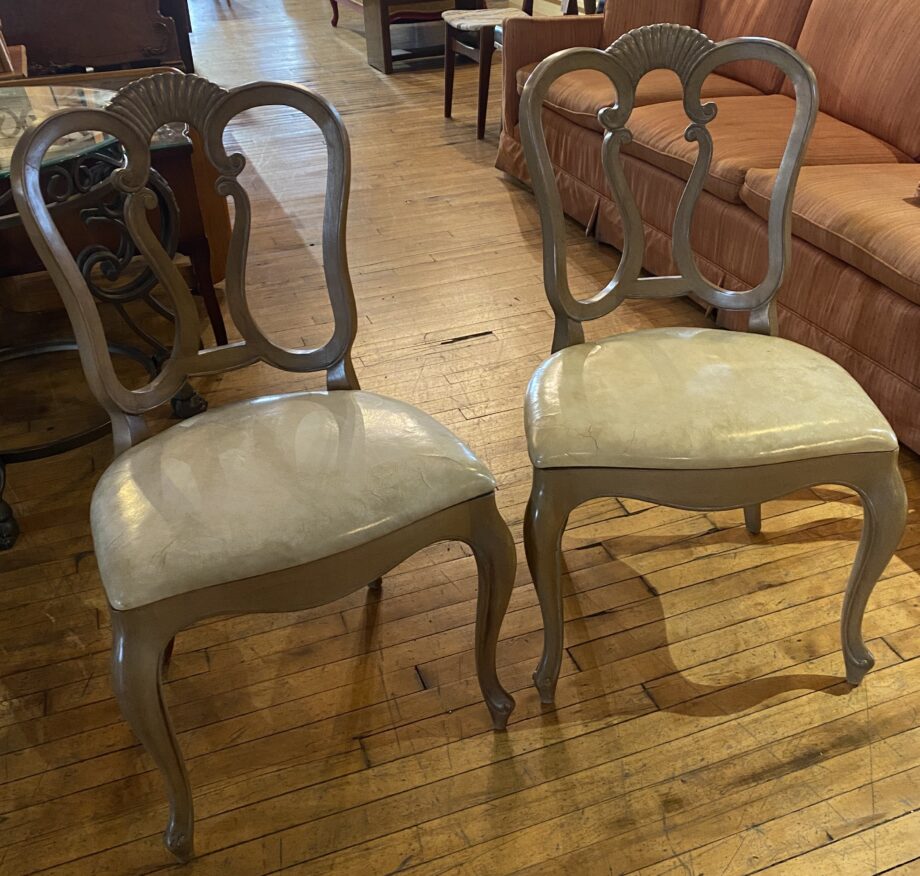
pixel 654 47
pixel 149 103
pixel 672 46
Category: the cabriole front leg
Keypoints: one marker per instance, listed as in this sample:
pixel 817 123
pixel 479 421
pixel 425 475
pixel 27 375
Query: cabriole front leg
pixel 884 501
pixel 137 659
pixel 544 523
pixel 496 561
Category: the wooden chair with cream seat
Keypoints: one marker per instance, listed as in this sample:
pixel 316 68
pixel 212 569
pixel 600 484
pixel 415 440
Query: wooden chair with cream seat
pixel 694 418
pixel 275 504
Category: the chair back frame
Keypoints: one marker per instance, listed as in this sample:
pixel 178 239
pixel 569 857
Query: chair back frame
pixel 132 117
pixel 692 56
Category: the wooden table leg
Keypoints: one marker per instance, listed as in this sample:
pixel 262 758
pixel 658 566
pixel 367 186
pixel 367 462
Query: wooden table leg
pixel 377 35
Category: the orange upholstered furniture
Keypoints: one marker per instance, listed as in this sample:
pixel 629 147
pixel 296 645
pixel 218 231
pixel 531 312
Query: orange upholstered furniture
pixel 854 289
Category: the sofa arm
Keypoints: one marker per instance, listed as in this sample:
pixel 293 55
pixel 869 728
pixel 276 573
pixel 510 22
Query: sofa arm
pixel 526 40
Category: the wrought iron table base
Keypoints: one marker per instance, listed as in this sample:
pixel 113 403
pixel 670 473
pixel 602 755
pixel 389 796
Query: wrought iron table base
pixel 186 403
pixel 82 183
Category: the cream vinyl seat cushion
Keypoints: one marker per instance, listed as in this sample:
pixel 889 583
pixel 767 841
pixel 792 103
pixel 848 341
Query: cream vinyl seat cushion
pixel 688 398
pixel 264 485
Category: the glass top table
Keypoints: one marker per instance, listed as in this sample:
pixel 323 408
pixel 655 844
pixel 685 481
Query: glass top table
pixel 22 107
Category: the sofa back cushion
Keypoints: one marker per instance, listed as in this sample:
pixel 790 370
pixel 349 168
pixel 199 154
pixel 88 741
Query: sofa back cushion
pixel 620 17
pixel 778 19
pixel 866 55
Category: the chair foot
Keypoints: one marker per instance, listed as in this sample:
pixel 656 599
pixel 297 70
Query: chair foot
pixel 500 708
pixel 179 842
pixel 545 683
pixel 857 667
pixel 376 584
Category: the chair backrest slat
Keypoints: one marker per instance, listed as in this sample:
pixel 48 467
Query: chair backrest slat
pixel 692 56
pixel 132 117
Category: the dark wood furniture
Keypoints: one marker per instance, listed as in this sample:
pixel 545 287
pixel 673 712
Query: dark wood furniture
pixel 99 34
pixel 570 7
pixel 381 15
pixel 396 16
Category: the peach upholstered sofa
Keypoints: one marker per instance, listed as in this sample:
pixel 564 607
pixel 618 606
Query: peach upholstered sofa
pixel 854 288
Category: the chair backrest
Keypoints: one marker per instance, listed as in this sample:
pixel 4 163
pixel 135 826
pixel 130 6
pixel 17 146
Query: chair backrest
pixel 693 56
pixel 132 117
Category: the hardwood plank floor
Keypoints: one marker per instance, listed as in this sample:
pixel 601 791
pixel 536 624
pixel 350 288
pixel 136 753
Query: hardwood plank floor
pixel 702 723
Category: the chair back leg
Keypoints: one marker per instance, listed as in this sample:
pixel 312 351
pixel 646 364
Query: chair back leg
pixel 450 61
pixel 486 48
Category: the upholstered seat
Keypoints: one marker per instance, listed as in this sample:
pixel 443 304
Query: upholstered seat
pixel 867 216
pixel 580 95
pixel 747 132
pixel 268 484
pixel 687 398
pixel 476 19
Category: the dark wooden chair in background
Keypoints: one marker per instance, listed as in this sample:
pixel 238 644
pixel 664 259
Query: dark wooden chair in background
pixel 99 34
pixel 475 34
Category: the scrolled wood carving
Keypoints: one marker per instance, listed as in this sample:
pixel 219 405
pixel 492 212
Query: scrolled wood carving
pixel 149 103
pixel 132 117
pixel 660 46
pixel 692 56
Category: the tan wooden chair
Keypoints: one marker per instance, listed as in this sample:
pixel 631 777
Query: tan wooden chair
pixel 275 504
pixel 694 418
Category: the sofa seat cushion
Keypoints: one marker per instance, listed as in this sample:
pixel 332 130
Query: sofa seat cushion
pixel 866 215
pixel 747 132
pixel 581 95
